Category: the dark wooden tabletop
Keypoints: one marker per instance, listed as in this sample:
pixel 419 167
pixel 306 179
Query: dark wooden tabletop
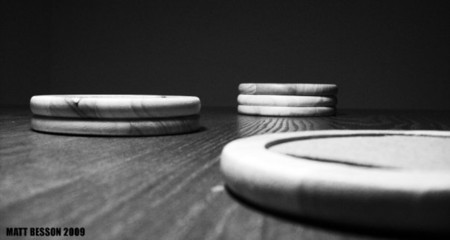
pixel 164 187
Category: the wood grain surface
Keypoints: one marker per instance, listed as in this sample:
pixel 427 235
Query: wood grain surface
pixel 165 187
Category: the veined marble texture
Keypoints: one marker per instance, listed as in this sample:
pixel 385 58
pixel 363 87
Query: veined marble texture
pixel 124 127
pixel 114 106
pixel 352 177
pixel 304 89
pixel 286 111
pixel 286 101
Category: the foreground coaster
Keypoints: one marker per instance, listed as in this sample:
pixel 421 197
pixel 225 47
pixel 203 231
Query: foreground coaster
pixel 286 101
pixel 114 106
pixel 286 111
pixel 116 127
pixel 307 89
pixel 394 180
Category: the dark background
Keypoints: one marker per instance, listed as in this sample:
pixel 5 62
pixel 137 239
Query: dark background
pixel 382 54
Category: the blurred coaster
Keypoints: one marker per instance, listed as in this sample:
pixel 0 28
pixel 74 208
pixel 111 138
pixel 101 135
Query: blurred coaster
pixel 286 101
pixel 286 111
pixel 125 127
pixel 393 180
pixel 114 106
pixel 305 89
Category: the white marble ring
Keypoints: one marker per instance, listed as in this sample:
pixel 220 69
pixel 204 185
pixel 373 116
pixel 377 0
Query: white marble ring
pixel 119 127
pixel 304 89
pixel 369 178
pixel 286 101
pixel 114 106
pixel 286 111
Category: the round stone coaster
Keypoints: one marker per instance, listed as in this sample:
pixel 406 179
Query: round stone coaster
pixel 307 89
pixel 286 111
pixel 393 180
pixel 124 127
pixel 286 101
pixel 114 106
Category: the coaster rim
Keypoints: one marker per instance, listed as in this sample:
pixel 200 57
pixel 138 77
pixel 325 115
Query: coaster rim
pixel 275 181
pixel 286 100
pixel 121 127
pixel 295 89
pixel 278 111
pixel 114 106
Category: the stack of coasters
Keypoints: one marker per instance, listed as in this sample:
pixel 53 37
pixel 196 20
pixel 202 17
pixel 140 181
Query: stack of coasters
pixel 298 100
pixel 115 115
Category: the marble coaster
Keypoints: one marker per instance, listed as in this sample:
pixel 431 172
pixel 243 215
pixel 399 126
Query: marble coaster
pixel 114 106
pixel 304 89
pixel 124 127
pixel 286 101
pixel 393 180
pixel 286 111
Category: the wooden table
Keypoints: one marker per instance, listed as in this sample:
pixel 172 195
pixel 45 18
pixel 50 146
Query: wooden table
pixel 165 187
